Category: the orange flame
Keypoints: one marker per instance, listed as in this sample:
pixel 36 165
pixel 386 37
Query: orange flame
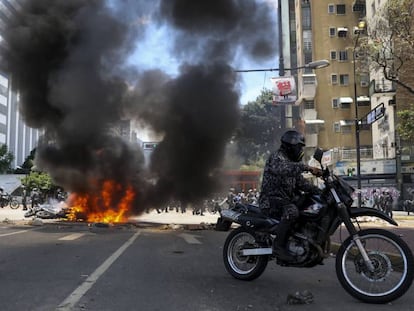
pixel 110 205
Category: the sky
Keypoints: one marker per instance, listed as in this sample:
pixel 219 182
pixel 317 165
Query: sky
pixel 153 51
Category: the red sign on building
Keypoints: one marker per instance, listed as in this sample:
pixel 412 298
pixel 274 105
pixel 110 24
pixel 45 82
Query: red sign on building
pixel 284 88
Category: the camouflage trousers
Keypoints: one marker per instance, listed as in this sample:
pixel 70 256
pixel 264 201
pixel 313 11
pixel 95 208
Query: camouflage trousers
pixel 282 209
pixel 290 212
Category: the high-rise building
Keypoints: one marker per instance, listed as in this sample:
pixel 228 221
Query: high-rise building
pixel 328 31
pixel 332 100
pixel 19 138
pixel 288 112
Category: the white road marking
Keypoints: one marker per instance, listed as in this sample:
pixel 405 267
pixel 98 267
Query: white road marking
pixel 15 232
pixel 190 238
pixel 72 237
pixel 69 303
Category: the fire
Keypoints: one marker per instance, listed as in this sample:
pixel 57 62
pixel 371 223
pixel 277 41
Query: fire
pixel 111 204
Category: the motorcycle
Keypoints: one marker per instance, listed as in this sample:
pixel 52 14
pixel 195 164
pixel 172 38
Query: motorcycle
pixel 48 211
pixel 372 265
pixel 8 199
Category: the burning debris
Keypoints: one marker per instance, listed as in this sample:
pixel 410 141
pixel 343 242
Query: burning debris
pixel 67 59
pixel 112 204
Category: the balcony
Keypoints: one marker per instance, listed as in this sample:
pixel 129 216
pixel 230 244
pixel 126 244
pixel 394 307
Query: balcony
pixel 309 86
pixel 378 87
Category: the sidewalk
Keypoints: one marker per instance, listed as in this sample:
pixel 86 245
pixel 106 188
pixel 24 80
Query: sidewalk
pixel 8 214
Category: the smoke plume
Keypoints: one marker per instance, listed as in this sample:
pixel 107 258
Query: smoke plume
pixel 67 60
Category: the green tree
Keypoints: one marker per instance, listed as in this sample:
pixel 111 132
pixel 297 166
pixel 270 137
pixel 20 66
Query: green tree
pixel 29 161
pixel 39 180
pixel 6 158
pixel 27 165
pixel 258 132
pixel 390 46
pixel 405 126
pixel 390 43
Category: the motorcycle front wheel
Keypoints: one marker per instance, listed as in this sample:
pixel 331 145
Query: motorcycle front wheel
pixel 14 204
pixel 393 265
pixel 242 267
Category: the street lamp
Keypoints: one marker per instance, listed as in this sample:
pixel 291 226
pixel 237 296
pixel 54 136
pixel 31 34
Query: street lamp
pixel 318 64
pixel 361 27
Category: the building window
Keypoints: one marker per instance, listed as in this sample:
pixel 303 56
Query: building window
pixel 309 104
pixel 308 58
pixel 364 79
pixel 4 90
pixel 3 101
pixel 307 45
pixel 340 9
pixel 337 127
pixel 332 31
pixel 333 55
pixel 342 32
pixel 335 103
pixel 334 78
pixel 343 56
pixel 309 79
pixel 344 79
pixel 331 8
pixel 346 129
pixel 306 18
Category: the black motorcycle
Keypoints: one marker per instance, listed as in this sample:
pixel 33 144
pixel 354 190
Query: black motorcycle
pixel 372 265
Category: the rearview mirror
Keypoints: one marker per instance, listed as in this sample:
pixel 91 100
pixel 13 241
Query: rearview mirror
pixel 318 155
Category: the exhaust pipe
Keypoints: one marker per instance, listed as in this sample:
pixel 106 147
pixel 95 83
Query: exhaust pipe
pixel 257 251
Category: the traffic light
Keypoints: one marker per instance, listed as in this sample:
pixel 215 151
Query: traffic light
pixel 349 172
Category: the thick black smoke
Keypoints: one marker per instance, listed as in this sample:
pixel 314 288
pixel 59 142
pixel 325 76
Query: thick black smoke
pixel 214 30
pixel 67 60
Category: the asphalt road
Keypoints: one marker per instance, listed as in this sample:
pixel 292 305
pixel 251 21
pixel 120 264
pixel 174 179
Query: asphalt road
pixel 80 267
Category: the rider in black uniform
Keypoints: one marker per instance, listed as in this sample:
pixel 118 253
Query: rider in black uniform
pixel 282 181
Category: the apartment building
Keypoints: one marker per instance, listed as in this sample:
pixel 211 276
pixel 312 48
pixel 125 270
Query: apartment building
pixel 332 99
pixel 328 31
pixel 19 138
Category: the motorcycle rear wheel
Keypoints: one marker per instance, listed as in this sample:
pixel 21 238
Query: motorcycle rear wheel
pixel 393 267
pixel 246 268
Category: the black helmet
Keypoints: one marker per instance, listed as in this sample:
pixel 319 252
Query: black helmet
pixel 292 145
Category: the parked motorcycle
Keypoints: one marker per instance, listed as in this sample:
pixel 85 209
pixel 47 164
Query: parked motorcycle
pixel 372 265
pixel 8 199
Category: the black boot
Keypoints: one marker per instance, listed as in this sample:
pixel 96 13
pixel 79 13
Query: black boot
pixel 282 235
